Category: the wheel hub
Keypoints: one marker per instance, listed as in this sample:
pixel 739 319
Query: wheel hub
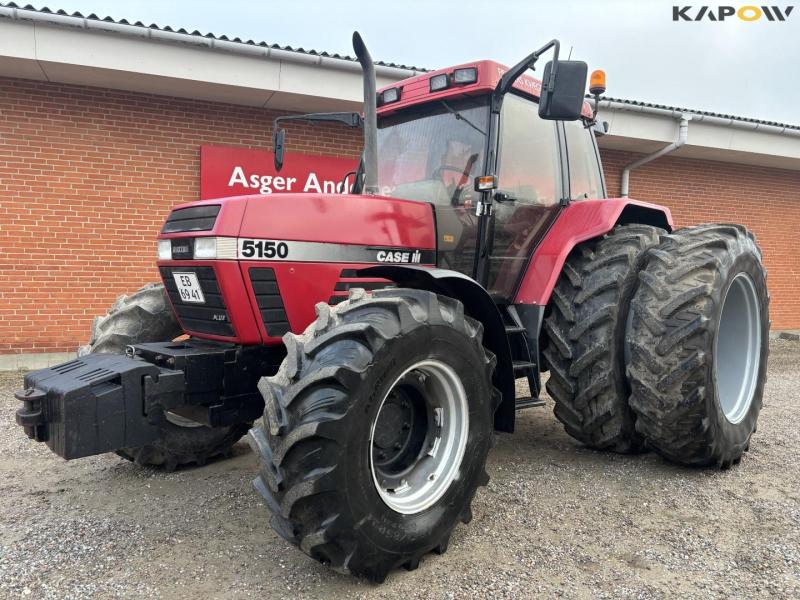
pixel 419 436
pixel 400 432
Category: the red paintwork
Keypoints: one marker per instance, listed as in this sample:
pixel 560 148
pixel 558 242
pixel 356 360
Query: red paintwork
pixel 578 222
pixel 340 218
pixel 416 90
pixel 336 218
pixel 344 219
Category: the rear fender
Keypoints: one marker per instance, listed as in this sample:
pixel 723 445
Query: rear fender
pixel 578 222
pixel 478 305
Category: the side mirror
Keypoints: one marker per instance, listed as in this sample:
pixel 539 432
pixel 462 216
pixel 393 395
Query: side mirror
pixel 565 101
pixel 278 139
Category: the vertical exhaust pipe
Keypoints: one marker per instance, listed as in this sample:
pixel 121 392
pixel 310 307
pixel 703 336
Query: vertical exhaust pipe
pixel 370 116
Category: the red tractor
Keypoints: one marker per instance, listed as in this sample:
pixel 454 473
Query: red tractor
pixel 371 341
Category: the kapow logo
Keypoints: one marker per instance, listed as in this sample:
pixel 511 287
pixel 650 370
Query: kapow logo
pixel 720 13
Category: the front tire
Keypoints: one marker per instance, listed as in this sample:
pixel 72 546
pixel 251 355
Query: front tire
pixel 699 342
pixel 376 430
pixel 146 316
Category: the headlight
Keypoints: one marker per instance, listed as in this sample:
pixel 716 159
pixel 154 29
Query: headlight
pixel 205 247
pixel 164 250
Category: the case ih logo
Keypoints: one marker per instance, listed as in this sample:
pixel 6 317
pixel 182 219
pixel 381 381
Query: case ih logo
pixel 399 256
pixel 720 13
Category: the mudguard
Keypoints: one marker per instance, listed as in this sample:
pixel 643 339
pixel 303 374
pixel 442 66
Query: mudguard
pixel 578 222
pixel 477 304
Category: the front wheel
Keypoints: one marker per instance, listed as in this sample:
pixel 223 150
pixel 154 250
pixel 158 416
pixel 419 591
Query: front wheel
pixel 376 430
pixel 146 316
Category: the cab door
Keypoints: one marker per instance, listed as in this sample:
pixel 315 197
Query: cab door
pixel 529 192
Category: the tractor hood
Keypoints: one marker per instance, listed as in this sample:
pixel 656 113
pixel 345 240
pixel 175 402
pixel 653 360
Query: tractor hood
pixel 248 269
pixel 325 218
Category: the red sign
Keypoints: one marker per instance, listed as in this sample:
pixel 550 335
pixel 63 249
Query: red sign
pixel 227 171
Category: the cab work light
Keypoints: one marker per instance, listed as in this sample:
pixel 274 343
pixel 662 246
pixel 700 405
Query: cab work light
pixel 439 82
pixel 466 75
pixel 390 95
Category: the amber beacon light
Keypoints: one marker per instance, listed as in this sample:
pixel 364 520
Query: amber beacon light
pixel 597 82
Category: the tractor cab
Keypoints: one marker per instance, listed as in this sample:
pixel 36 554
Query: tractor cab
pixel 434 146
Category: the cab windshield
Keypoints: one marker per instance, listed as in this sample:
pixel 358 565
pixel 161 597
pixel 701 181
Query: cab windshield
pixel 431 153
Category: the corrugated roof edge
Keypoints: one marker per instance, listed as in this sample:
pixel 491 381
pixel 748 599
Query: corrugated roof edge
pixel 678 109
pixel 235 40
pixel 211 36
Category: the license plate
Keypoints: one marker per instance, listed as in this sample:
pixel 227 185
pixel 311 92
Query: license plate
pixel 189 287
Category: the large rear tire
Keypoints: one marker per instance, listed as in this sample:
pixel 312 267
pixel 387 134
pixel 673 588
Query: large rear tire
pixel 376 430
pixel 586 334
pixel 146 316
pixel 699 341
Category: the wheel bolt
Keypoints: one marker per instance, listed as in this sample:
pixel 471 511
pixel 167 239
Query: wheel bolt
pixel 397 446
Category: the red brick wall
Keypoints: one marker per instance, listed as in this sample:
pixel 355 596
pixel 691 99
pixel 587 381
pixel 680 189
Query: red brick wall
pixel 765 200
pixel 88 175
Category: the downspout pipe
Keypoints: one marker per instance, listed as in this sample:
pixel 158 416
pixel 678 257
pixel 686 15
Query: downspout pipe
pixel 683 132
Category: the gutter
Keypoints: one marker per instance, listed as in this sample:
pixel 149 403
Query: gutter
pixel 683 133
pixel 175 37
pixel 710 119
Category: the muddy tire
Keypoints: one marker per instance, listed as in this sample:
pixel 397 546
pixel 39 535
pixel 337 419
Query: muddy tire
pixel 699 341
pixel 146 316
pixel 349 430
pixel 586 334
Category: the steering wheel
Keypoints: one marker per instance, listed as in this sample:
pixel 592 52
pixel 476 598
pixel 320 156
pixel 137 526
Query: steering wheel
pixel 437 172
pixel 463 172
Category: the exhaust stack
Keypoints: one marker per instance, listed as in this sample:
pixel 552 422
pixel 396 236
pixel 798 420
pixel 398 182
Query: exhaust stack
pixel 370 116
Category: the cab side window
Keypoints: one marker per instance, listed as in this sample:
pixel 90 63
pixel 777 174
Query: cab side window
pixel 528 153
pixel 585 179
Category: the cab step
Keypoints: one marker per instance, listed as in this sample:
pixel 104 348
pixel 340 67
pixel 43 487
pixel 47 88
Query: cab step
pixel 528 403
pixel 521 366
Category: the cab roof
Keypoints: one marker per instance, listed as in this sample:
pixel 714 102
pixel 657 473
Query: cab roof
pixel 416 90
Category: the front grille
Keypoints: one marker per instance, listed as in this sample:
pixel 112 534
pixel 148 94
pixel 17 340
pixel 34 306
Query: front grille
pixel 342 288
pixel 194 218
pixel 211 317
pixel 270 303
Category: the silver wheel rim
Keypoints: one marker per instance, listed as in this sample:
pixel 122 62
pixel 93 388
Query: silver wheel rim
pixel 737 348
pixel 439 393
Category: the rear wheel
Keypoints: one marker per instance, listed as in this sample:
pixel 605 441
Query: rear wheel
pixel 376 430
pixel 146 316
pixel 586 334
pixel 699 343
